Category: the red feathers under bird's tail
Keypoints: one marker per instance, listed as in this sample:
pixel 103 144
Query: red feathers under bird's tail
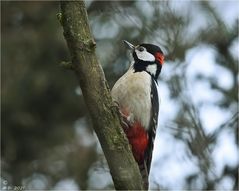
pixel 139 141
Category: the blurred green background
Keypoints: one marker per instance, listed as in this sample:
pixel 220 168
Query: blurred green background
pixel 47 140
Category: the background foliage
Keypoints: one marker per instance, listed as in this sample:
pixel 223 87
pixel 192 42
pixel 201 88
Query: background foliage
pixel 46 137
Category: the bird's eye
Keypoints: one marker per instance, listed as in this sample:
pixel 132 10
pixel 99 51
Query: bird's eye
pixel 141 49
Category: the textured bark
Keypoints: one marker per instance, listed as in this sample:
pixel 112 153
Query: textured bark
pixel 123 168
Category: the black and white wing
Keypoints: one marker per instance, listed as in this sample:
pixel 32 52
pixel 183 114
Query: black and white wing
pixel 153 123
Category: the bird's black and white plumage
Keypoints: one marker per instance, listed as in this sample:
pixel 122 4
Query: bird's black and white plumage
pixel 136 93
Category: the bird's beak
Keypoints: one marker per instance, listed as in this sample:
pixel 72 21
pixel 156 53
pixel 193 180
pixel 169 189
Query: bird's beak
pixel 129 45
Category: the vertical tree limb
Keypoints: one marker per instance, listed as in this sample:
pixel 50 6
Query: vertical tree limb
pixel 123 168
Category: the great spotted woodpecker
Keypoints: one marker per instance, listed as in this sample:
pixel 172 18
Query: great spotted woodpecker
pixel 136 94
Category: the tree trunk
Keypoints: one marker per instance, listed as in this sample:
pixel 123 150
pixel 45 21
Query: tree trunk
pixel 106 120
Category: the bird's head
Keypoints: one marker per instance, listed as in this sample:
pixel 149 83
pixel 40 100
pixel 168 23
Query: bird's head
pixel 147 57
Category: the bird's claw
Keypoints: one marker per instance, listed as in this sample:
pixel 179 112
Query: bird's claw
pixel 125 123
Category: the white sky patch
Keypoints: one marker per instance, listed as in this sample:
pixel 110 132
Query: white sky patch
pixel 170 170
pixel 190 8
pixel 178 6
pixel 109 29
pixel 199 21
pixel 99 149
pixel 84 136
pixel 88 3
pixel 223 77
pixel 201 92
pixel 212 117
pixel 162 140
pixel 234 49
pixel 127 19
pixel 228 10
pixel 105 55
pixel 201 60
pixel 168 108
pixel 225 184
pixel 36 182
pixel 168 70
pixel 145 7
pixel 66 184
pixel 99 179
pixel 226 152
pixel 78 91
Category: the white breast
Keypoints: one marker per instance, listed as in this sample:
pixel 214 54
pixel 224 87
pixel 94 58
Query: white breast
pixel 132 92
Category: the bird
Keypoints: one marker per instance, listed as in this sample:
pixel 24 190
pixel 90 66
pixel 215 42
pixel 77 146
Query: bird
pixel 137 96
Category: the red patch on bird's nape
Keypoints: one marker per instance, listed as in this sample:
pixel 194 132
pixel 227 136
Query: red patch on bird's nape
pixel 159 57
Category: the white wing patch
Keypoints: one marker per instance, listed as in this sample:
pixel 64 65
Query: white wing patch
pixel 152 69
pixel 145 56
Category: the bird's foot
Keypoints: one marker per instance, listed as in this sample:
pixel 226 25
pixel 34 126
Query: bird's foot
pixel 125 123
